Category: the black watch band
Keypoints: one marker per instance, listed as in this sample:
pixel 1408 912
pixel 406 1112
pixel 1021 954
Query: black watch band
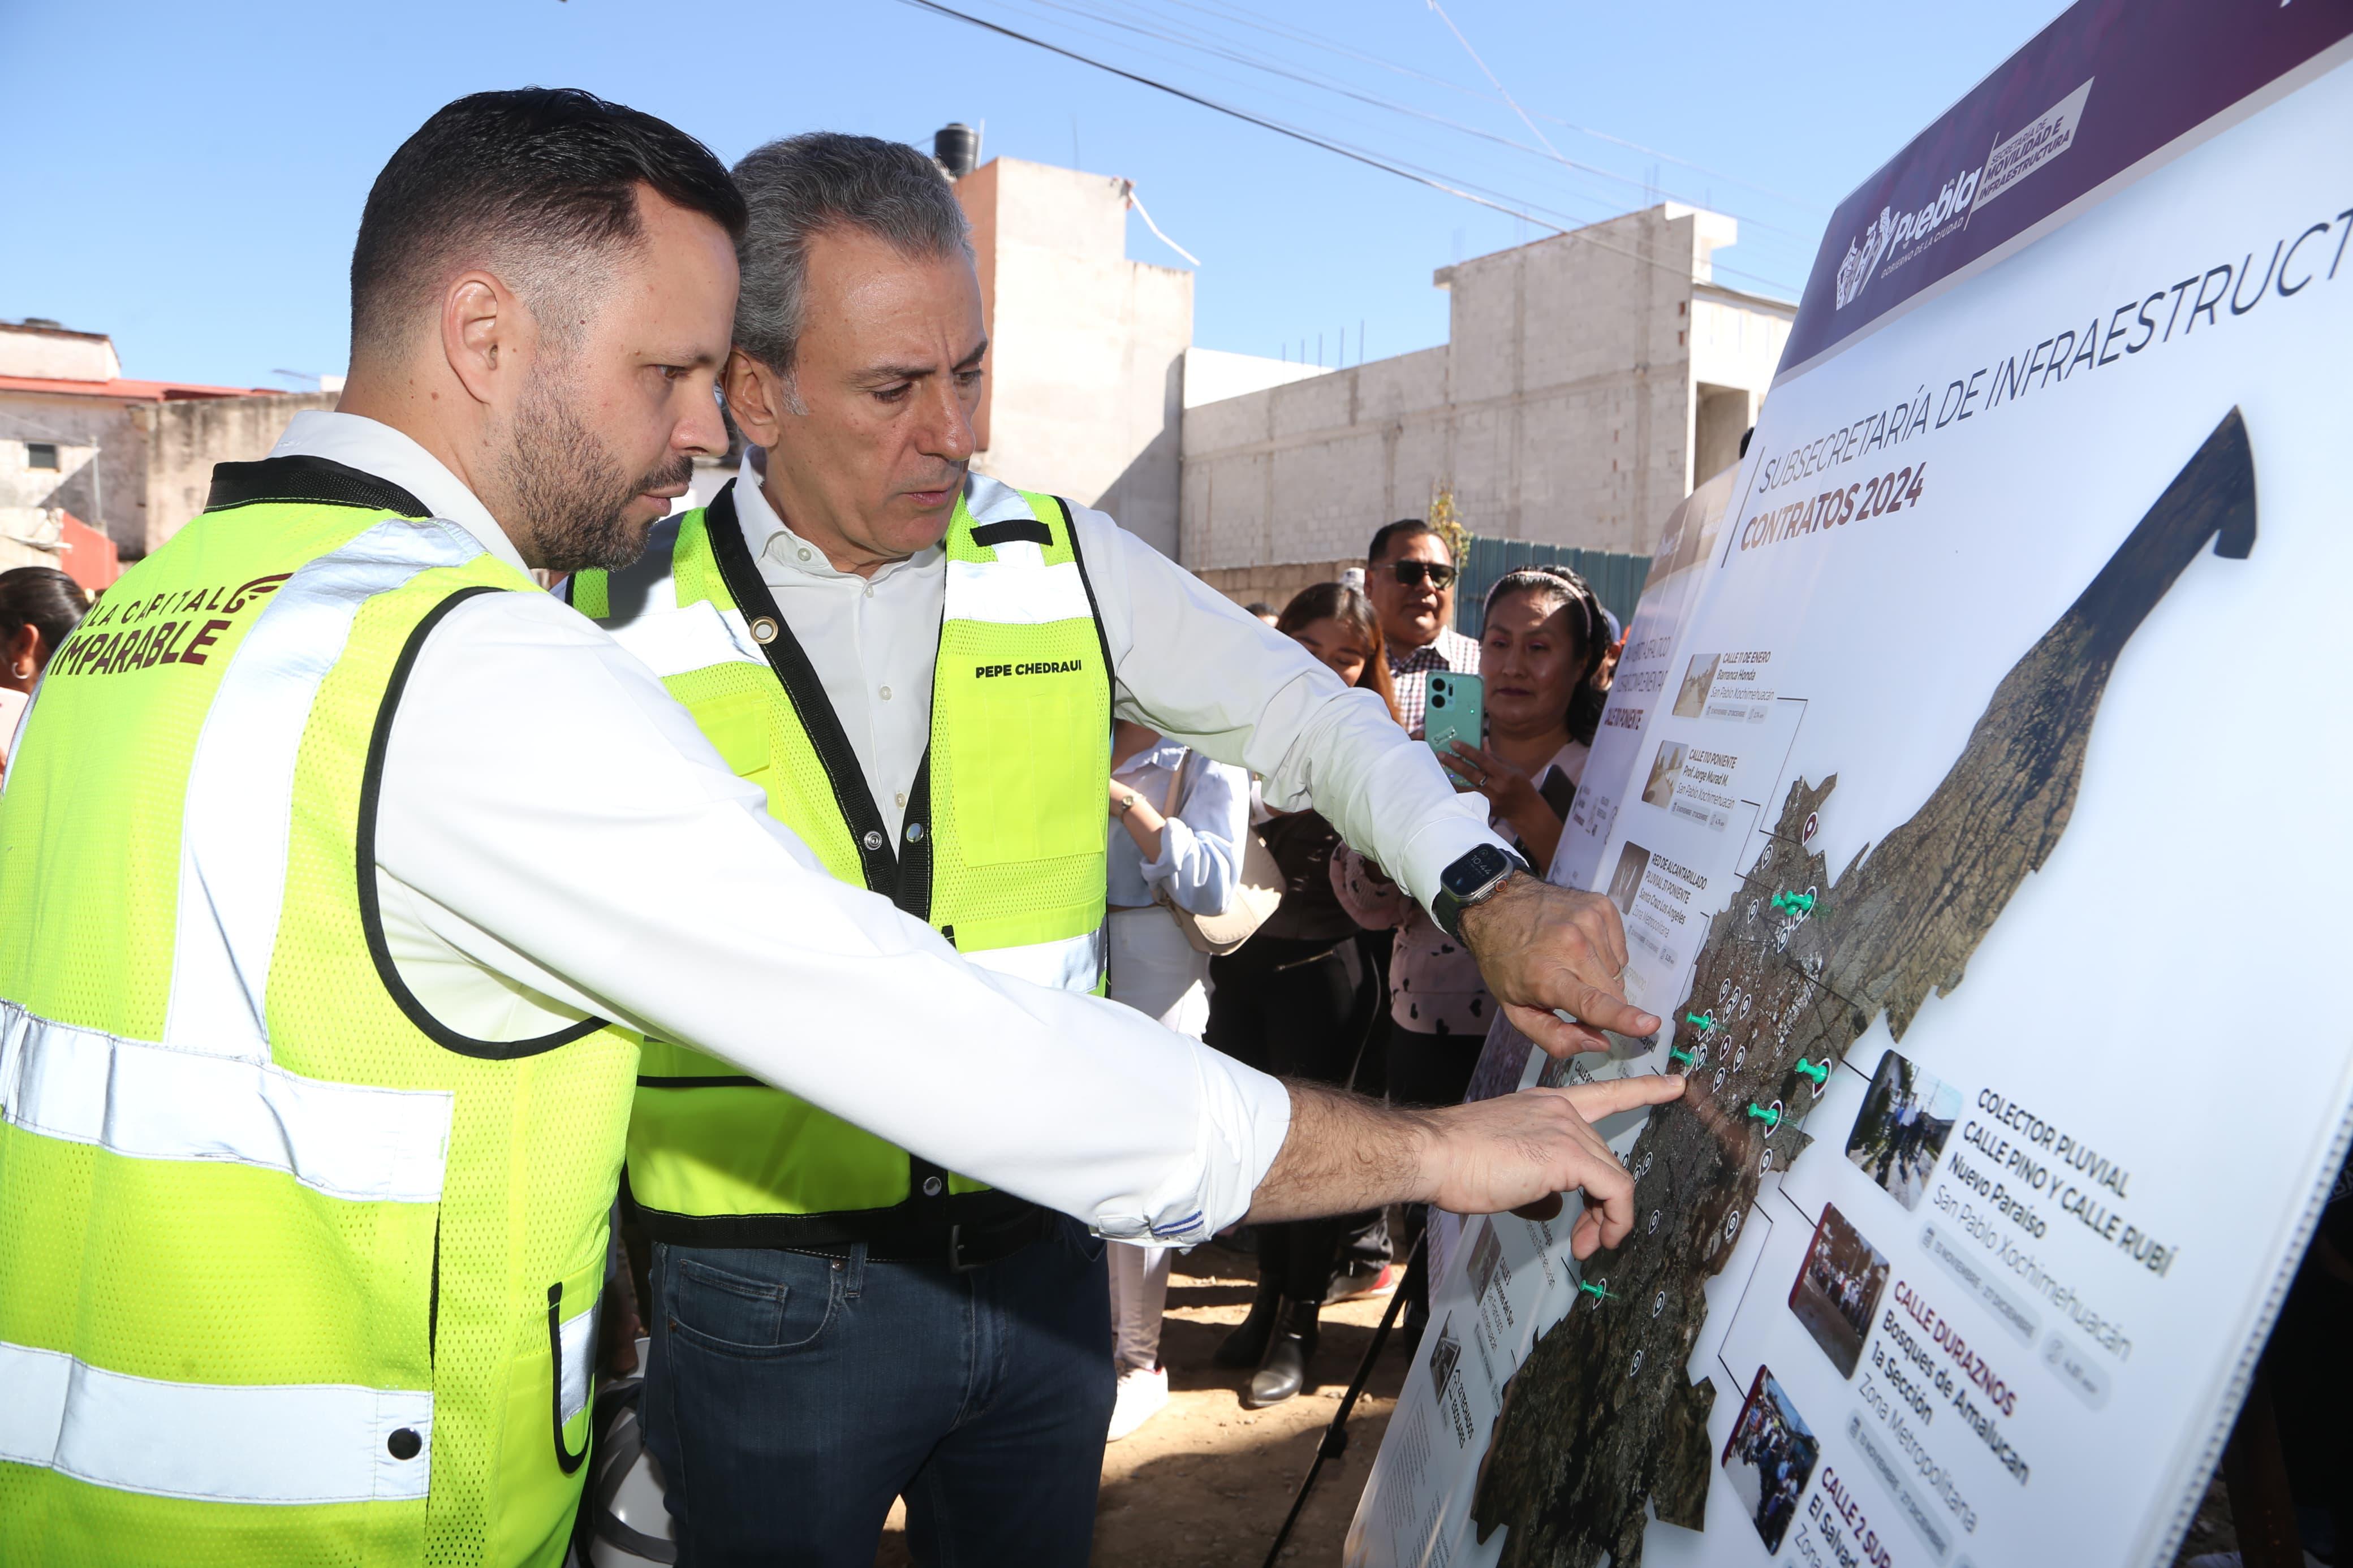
pixel 1471 881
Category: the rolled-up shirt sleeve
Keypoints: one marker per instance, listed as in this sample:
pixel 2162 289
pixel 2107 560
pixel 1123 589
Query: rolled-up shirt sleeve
pixel 553 815
pixel 1196 666
pixel 1200 859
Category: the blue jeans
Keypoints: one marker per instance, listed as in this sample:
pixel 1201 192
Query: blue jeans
pixel 791 1397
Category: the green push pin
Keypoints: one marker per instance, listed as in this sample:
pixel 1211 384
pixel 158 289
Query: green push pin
pixel 1771 1118
pixel 1818 1071
pixel 1683 1057
pixel 1598 1291
pixel 1794 903
pixel 1700 1020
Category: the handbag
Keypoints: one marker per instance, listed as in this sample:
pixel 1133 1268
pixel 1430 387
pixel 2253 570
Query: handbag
pixel 1257 889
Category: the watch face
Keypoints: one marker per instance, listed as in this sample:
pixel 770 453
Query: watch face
pixel 1475 871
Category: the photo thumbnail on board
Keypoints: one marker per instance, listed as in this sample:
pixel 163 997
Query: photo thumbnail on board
pixel 1625 882
pixel 1443 1355
pixel 1900 1133
pixel 1837 1289
pixel 1665 767
pixel 1699 678
pixel 1770 1457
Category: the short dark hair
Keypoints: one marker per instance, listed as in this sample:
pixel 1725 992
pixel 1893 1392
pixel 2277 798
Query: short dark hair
pixel 538 173
pixel 1258 608
pixel 1403 527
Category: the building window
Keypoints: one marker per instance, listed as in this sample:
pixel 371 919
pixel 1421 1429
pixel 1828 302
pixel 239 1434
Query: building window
pixel 41 455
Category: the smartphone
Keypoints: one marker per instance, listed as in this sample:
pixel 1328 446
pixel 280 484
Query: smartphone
pixel 1456 710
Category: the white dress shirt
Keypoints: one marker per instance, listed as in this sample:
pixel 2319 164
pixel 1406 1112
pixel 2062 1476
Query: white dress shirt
pixel 1189 663
pixel 1200 859
pixel 556 840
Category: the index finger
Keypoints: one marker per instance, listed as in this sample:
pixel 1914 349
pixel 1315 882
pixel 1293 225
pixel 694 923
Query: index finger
pixel 1607 1098
pixel 1607 1010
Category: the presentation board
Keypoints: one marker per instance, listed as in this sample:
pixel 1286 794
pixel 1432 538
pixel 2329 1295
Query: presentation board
pixel 1968 793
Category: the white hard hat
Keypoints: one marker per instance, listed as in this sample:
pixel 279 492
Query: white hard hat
pixel 629 1525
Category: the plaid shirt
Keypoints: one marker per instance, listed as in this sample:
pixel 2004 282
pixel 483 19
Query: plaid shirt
pixel 1453 650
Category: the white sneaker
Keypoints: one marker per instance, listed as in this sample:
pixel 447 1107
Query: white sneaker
pixel 1143 1394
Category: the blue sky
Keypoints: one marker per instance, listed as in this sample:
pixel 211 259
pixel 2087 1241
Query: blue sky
pixel 187 177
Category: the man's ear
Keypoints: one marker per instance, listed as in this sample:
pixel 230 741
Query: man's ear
pixel 485 334
pixel 757 397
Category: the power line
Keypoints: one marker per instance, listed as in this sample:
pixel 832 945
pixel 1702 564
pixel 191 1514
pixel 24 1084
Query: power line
pixel 1314 40
pixel 1402 171
pixel 1492 81
pixel 1274 125
pixel 1210 44
pixel 1219 48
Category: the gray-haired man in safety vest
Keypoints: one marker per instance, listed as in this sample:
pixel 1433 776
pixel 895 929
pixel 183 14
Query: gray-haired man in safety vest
pixel 919 666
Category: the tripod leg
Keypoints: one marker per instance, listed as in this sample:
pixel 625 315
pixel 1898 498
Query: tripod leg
pixel 1335 1436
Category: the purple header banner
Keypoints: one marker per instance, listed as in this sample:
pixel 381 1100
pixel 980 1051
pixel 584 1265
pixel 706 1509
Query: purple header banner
pixel 2108 83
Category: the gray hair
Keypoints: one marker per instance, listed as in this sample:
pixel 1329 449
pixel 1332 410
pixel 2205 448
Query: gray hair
pixel 802 185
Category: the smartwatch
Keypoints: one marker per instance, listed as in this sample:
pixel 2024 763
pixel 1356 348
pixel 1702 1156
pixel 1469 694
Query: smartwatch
pixel 1473 879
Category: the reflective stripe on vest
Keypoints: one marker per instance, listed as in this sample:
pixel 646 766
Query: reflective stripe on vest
pixel 256 1444
pixel 1073 963
pixel 1004 843
pixel 270 1238
pixel 147 1101
pixel 241 783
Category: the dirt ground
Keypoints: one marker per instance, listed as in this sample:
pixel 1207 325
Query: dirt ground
pixel 1205 1483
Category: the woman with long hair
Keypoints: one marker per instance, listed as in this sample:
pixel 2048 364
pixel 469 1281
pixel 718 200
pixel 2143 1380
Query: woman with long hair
pixel 1293 1001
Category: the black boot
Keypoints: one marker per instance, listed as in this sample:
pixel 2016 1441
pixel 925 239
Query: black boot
pixel 1246 1346
pixel 1283 1373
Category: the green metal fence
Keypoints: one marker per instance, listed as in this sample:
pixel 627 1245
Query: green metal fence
pixel 1616 575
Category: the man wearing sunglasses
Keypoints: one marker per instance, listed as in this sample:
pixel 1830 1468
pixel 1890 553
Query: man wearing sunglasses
pixel 1409 577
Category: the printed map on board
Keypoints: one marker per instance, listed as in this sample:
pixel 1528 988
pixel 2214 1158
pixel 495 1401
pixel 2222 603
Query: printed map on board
pixel 1601 1417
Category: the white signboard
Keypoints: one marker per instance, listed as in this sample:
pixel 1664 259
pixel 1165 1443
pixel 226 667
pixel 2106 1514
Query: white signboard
pixel 1978 834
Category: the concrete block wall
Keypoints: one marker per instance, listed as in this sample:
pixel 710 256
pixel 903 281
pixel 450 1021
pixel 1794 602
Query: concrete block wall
pixel 182 440
pixel 1275 585
pixel 1566 406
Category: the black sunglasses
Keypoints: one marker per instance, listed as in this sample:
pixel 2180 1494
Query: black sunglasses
pixel 1409 572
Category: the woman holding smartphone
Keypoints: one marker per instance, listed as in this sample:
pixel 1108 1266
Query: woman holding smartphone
pixel 1541 646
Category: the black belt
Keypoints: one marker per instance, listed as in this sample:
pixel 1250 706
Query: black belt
pixel 964 1230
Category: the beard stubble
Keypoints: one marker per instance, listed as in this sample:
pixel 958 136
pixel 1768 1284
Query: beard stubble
pixel 567 490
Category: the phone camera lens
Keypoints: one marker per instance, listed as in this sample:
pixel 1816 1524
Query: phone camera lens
pixel 1437 700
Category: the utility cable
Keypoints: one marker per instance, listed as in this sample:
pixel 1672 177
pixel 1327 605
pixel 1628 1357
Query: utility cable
pixel 1525 210
pixel 1244 115
pixel 1401 171
pixel 1137 203
pixel 1210 44
pixel 1317 41
pixel 1494 80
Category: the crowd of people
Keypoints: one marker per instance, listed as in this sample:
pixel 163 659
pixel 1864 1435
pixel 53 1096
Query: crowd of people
pixel 1348 982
